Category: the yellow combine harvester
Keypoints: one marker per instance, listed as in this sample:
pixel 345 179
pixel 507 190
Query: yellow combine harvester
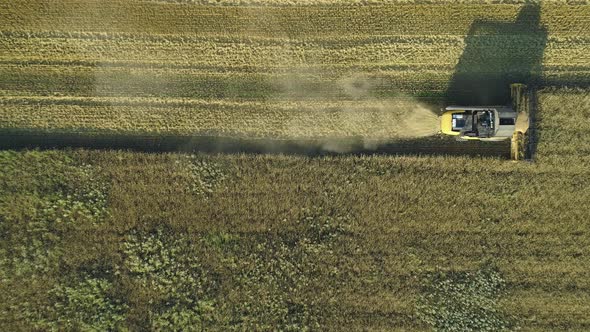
pixel 492 123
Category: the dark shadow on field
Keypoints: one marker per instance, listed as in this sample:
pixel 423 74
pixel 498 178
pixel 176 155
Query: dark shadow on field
pixel 435 145
pixel 497 54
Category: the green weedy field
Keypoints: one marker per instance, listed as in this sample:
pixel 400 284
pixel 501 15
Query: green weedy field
pixel 121 240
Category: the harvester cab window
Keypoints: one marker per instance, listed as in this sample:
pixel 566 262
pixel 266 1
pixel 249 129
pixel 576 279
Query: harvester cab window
pixel 483 123
pixel 477 123
pixel 459 120
pixel 485 119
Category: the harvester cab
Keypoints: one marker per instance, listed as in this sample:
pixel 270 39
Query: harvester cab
pixel 492 123
pixel 484 123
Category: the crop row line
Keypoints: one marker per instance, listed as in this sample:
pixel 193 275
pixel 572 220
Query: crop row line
pixel 323 41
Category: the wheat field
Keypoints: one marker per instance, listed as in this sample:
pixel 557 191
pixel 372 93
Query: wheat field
pixel 273 71
pixel 116 240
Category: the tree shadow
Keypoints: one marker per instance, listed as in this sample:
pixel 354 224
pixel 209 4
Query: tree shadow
pixel 497 54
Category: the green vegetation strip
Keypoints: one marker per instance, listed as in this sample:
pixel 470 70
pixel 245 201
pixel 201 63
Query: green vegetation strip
pixel 117 240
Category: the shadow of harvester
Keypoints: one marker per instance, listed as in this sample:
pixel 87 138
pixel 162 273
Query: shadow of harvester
pixel 497 54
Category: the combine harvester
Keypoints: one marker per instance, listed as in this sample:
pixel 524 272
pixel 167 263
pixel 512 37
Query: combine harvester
pixel 493 123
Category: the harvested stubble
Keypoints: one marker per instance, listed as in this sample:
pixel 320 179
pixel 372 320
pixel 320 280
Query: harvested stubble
pixel 274 55
pixel 381 119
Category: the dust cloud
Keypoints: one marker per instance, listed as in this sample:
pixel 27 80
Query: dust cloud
pixel 334 108
pixel 345 107
pixel 335 105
